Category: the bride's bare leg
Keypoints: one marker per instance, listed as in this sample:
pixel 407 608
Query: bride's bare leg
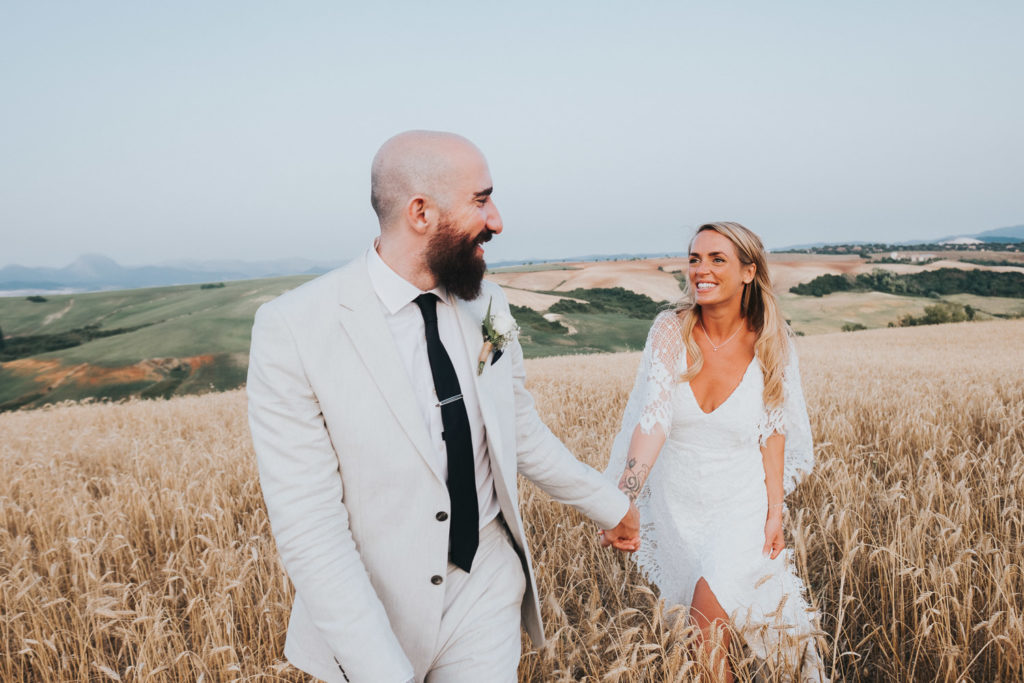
pixel 710 618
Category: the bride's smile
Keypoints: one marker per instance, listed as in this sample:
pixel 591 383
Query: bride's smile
pixel 715 274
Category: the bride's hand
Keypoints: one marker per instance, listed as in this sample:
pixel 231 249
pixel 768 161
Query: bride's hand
pixel 625 536
pixel 774 541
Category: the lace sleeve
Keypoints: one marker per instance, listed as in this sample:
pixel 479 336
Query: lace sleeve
pixel 659 370
pixel 790 419
pixel 650 402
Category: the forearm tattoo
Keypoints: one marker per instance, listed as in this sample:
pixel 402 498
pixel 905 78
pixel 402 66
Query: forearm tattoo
pixel 633 479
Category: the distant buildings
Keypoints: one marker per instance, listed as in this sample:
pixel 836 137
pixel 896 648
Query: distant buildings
pixel 912 258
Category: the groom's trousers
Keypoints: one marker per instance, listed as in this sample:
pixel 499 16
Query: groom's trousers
pixel 480 637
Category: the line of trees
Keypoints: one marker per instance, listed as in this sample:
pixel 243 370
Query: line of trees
pixel 926 283
pixel 866 250
pixel 31 344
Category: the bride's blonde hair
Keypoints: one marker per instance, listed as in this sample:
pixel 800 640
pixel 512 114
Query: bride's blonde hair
pixel 758 306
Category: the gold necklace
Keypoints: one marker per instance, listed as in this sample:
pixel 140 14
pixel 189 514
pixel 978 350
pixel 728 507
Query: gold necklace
pixel 701 323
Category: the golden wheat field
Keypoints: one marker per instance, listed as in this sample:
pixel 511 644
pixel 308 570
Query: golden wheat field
pixel 134 545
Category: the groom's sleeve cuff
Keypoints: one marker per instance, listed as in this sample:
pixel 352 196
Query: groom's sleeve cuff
pixel 617 507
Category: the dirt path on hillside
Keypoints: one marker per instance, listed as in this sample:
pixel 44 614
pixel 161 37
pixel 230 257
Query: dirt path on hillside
pixel 59 314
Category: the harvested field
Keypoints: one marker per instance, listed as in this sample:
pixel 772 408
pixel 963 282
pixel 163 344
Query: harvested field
pixel 643 275
pixel 534 300
pixel 792 269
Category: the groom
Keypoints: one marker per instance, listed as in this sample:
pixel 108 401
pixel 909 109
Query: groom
pixel 388 461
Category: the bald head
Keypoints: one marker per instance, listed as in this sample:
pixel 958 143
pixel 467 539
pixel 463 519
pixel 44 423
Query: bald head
pixel 417 162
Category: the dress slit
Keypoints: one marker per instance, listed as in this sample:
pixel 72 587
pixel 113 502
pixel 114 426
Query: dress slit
pixel 714 596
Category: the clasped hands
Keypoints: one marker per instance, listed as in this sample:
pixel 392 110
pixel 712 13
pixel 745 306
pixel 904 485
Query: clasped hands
pixel 626 535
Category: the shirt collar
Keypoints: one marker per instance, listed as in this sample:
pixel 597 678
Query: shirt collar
pixel 394 291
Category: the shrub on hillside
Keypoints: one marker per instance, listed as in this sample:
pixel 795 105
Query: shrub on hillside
pixel 531 320
pixel 608 300
pixel 944 312
pixel 823 284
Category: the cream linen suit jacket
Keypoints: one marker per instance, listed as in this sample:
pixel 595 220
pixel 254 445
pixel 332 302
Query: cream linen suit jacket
pixel 351 482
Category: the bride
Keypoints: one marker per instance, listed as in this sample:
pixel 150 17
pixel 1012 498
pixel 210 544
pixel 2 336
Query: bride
pixel 714 435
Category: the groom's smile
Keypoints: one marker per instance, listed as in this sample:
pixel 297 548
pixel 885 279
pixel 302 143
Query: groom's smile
pixel 468 219
pixel 483 237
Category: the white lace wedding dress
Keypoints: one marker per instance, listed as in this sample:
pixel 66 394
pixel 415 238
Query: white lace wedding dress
pixel 704 505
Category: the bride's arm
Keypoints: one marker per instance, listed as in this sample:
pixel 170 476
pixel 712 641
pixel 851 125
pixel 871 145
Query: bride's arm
pixel 655 384
pixel 648 416
pixel 643 451
pixel 773 459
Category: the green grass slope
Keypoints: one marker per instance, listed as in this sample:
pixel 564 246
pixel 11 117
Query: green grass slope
pixel 129 308
pixel 201 337
pixel 824 314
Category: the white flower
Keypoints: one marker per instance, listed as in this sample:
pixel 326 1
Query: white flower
pixel 499 329
pixel 504 324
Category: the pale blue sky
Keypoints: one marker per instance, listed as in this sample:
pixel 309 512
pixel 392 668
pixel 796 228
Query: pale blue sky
pixel 155 131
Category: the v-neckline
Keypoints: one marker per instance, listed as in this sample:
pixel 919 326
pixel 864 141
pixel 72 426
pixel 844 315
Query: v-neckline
pixel 689 387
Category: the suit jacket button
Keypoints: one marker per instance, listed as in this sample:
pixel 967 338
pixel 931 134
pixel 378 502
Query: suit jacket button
pixel 436 579
pixel 441 516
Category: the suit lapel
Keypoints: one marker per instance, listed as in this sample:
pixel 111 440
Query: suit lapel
pixel 471 315
pixel 470 320
pixel 361 315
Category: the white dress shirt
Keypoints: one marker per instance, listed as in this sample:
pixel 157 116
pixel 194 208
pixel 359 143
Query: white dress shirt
pixel 403 316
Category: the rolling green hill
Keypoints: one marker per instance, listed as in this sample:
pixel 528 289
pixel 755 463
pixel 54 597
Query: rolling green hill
pixel 163 341
pixel 187 339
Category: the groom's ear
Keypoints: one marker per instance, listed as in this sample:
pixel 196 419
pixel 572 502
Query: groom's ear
pixel 420 214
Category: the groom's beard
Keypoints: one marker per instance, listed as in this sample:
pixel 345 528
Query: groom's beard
pixel 451 257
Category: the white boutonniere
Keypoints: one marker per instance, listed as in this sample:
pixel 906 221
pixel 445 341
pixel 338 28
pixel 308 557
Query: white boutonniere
pixel 499 329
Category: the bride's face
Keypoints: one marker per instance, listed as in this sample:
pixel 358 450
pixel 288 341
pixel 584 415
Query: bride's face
pixel 716 273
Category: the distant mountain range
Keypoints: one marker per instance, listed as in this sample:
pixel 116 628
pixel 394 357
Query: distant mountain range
pixel 95 272
pixel 1014 233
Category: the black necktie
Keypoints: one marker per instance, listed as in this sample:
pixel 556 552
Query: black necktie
pixel 464 531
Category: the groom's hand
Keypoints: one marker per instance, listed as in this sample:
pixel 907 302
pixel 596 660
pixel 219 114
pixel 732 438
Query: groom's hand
pixel 625 536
